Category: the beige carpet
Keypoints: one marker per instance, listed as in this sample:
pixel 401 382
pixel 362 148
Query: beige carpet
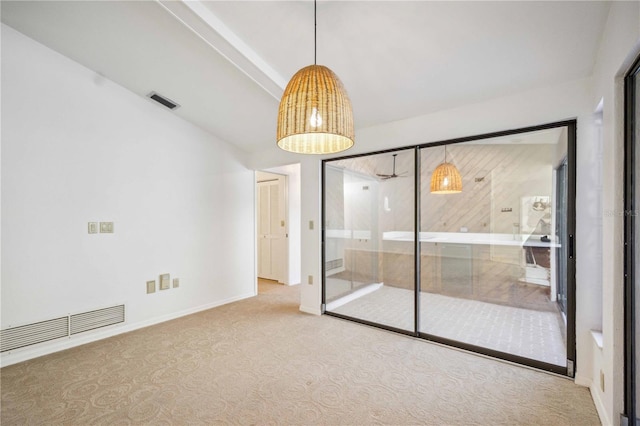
pixel 261 361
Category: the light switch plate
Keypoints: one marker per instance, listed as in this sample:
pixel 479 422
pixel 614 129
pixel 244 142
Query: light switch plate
pixel 93 227
pixel 106 227
pixel 151 286
pixel 176 282
pixel 165 282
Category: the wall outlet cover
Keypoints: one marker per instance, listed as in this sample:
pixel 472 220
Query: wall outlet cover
pixel 106 227
pixel 165 282
pixel 93 227
pixel 176 282
pixel 151 286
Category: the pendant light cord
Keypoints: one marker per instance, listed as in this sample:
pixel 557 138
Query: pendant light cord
pixel 315 33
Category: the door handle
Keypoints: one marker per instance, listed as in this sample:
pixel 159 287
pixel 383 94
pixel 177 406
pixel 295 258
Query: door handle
pixel 570 246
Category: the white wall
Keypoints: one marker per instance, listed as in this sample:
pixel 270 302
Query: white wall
pixel 78 148
pixel 619 47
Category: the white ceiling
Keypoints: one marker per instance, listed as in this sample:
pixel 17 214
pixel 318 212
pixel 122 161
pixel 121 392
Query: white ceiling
pixel 226 62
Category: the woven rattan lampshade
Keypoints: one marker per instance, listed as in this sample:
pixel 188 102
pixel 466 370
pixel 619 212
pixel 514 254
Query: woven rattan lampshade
pixel 315 115
pixel 446 178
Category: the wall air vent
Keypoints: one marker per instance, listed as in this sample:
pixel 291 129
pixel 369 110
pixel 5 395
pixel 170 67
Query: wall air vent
pixel 30 334
pixel 96 319
pixel 43 331
pixel 163 100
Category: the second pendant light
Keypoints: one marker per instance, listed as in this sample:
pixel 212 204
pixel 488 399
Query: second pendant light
pixel 446 178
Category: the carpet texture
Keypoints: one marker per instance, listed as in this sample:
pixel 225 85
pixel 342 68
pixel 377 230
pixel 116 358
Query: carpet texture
pixel 261 361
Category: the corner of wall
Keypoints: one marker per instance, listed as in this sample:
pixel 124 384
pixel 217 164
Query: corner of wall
pixel 310 310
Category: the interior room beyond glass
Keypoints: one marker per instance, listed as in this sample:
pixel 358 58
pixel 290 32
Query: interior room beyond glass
pixel 492 267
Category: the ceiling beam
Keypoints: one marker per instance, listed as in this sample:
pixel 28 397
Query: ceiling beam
pixel 206 25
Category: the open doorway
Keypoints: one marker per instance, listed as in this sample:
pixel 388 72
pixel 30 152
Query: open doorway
pixel 271 202
pixel 278 225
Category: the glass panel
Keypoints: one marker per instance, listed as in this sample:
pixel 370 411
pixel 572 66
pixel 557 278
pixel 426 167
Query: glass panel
pixel 488 276
pixel 369 216
pixel 560 233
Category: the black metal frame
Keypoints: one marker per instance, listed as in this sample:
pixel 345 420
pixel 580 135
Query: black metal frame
pixel 571 126
pixel 630 245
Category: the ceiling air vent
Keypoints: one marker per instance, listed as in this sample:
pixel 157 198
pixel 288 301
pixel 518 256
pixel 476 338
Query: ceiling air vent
pixel 162 100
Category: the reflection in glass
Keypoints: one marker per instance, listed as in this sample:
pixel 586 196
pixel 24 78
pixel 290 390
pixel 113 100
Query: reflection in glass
pixel 488 274
pixel 368 268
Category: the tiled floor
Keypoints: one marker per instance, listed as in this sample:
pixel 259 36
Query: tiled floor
pixel 529 333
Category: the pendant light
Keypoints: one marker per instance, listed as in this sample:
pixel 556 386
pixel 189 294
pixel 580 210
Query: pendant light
pixel 315 115
pixel 446 178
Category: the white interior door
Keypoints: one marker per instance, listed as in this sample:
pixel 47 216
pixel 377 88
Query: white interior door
pixel 271 230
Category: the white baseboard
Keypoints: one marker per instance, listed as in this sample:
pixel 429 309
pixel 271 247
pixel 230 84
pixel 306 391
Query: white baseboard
pixel 311 310
pixel 46 348
pixel 596 395
pixel 582 381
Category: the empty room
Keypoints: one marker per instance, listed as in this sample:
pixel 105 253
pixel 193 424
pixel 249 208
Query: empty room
pixel 319 212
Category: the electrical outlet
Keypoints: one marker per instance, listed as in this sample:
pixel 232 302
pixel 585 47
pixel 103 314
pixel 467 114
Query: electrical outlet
pixel 311 225
pixel 310 280
pixel 93 227
pixel 165 282
pixel 151 286
pixel 106 227
pixel 176 282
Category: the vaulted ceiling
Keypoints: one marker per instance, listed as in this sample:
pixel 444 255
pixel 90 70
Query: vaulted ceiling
pixel 227 62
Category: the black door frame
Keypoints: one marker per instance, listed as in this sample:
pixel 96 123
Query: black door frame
pixel 568 370
pixel 630 244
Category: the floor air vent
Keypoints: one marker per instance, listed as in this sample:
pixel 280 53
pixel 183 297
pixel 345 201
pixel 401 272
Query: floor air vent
pixel 25 335
pixel 30 334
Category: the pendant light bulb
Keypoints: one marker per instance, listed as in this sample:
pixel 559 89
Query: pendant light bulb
pixel 316 119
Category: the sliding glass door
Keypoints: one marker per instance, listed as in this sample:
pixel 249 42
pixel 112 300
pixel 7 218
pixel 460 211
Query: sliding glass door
pixel 368 253
pixel 487 275
pixel 465 242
